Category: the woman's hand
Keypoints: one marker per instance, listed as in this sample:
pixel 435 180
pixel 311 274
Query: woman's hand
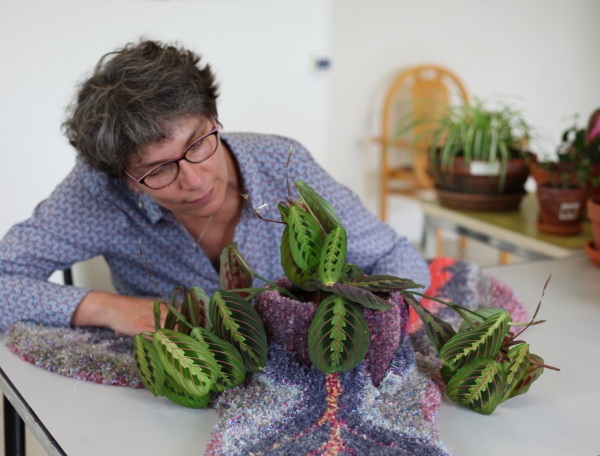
pixel 123 314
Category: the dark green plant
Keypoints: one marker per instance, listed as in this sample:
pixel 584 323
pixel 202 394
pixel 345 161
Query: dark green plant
pixel 193 355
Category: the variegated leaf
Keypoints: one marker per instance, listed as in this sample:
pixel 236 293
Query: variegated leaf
pixel 234 272
pixel 236 321
pixel 318 206
pixel 516 367
pixel 438 331
pixel 482 342
pixel 190 363
pixel 305 237
pixel 351 273
pixel 157 315
pixel 478 385
pixel 357 295
pixel 175 393
pixel 283 211
pixel 338 338
pixel 447 373
pixel 531 375
pixel 226 355
pixel 333 256
pixel 171 320
pixel 148 365
pixel 292 271
pixel 480 315
pixel 379 283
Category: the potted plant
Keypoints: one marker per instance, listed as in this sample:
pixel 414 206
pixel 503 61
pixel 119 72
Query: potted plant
pixel 479 157
pixel 592 248
pixel 335 308
pixel 564 184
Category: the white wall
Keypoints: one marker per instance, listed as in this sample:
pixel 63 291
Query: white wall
pixel 541 53
pixel 261 51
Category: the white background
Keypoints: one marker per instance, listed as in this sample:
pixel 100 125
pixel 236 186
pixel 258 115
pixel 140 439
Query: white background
pixel 539 52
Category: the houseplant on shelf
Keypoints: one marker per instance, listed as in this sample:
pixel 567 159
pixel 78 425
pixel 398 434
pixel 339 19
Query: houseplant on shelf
pixel 565 183
pixel 483 364
pixel 479 157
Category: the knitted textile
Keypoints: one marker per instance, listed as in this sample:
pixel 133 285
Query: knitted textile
pixel 307 412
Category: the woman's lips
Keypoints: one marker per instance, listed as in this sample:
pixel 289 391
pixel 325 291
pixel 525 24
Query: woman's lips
pixel 203 199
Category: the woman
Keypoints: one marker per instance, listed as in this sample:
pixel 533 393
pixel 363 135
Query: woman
pixel 154 172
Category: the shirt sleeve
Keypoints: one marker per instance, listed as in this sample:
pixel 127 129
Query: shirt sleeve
pixel 54 238
pixel 372 244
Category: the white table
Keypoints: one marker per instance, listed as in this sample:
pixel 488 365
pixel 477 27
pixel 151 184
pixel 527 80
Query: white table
pixel 559 416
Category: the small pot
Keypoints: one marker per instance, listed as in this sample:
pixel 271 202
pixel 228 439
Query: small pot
pixel 593 253
pixel 561 209
pixel 593 213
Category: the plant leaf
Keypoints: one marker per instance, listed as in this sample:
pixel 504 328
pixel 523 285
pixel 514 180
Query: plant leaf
pixel 333 256
pixel 381 283
pixel 236 321
pixel 351 273
pixel 171 320
pixel 292 271
pixel 148 365
pixel 283 211
pixel 338 338
pixel 533 373
pixel 478 385
pixel 187 361
pixel 482 342
pixel 234 272
pixel 516 367
pixel 438 331
pixel 482 313
pixel 318 206
pixel 305 237
pixel 228 357
pixel 357 295
pixel 175 393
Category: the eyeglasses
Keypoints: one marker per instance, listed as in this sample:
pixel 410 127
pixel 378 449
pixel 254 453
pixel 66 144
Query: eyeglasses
pixel 163 175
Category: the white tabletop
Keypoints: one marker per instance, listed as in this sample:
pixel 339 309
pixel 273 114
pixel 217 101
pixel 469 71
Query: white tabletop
pixel 560 415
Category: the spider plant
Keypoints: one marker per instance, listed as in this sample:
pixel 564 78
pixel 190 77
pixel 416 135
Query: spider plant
pixel 478 132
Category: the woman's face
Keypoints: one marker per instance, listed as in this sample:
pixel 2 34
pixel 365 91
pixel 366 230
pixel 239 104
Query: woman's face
pixel 199 189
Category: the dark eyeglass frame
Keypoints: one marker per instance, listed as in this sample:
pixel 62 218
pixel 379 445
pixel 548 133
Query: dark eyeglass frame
pixel 183 156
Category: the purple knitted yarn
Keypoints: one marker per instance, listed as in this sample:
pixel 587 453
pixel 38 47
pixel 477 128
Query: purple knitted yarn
pixel 287 322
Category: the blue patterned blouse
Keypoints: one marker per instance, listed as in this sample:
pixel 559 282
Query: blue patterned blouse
pixel 90 214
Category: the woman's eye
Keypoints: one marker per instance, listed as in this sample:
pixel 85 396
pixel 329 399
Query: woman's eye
pixel 157 172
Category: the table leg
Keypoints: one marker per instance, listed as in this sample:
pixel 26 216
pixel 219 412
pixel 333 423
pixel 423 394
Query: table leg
pixel 14 431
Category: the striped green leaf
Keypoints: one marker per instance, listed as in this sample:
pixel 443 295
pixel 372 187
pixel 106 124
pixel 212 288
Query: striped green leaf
pixel 236 321
pixel 482 342
pixel 438 331
pixel 232 371
pixel 148 365
pixel 305 237
pixel 338 338
pixel 318 206
pixel 384 283
pixel 479 316
pixel 357 295
pixel 351 273
pixel 333 256
pixel 531 375
pixel 190 363
pixel 283 211
pixel 234 271
pixel 478 385
pixel 516 367
pixel 292 271
pixel 171 320
pixel 175 393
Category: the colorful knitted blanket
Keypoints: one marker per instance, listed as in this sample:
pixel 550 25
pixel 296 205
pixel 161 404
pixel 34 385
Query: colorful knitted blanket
pixel 292 408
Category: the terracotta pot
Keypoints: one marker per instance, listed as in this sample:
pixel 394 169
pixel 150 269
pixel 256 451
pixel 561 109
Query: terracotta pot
pixel 561 209
pixel 593 213
pixel 554 173
pixel 287 322
pixel 593 253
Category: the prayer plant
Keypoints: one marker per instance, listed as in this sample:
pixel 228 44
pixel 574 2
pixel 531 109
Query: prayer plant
pixel 208 345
